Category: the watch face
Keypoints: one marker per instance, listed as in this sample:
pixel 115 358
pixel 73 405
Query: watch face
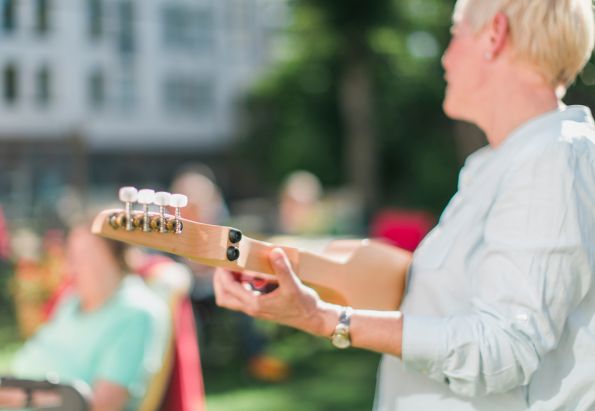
pixel 341 341
pixel 340 338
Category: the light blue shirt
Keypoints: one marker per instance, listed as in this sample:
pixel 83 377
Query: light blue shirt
pixel 122 342
pixel 500 308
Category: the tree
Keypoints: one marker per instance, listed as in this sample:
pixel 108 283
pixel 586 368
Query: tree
pixel 358 102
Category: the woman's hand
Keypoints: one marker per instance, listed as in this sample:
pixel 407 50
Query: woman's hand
pixel 292 303
pixel 12 398
pixel 108 396
pixel 16 398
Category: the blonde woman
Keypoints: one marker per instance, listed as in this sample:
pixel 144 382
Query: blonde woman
pixel 499 311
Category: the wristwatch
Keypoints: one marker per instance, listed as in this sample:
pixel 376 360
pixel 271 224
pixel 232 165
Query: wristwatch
pixel 341 337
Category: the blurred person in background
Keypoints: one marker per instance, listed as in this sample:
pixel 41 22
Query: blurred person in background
pixel 499 312
pixel 305 209
pixel 111 332
pixel 300 205
pixel 206 205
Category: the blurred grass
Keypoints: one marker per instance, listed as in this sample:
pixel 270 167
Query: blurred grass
pixel 322 379
pixel 9 342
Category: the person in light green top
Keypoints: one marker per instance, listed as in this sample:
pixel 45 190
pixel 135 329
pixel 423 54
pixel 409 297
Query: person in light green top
pixel 111 333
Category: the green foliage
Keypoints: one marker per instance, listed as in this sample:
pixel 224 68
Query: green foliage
pixel 583 89
pixel 6 276
pixel 294 118
pixel 294 123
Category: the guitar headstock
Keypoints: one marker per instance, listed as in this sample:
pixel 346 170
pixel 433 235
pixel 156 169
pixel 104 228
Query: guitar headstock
pixel 209 244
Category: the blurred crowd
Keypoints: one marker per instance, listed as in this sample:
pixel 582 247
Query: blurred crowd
pixel 41 270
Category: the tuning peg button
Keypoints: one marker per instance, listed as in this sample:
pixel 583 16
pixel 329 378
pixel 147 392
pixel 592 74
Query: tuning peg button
pixel 162 198
pixel 178 200
pixel 128 194
pixel 146 196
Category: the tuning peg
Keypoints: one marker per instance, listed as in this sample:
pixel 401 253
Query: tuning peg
pixel 178 201
pixel 128 195
pixel 146 196
pixel 162 199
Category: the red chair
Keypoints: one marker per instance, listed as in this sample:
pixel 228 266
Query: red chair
pixel 186 390
pixel 4 238
pixel 402 228
pixel 179 385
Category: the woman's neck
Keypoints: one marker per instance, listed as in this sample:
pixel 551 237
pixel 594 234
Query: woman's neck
pixel 519 97
pixel 101 294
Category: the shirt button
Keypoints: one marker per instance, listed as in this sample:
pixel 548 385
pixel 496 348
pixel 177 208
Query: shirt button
pixel 522 318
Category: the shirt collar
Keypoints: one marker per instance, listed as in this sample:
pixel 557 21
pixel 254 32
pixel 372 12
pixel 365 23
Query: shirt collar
pixel 546 123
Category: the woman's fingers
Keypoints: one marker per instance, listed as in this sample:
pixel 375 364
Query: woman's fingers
pixel 291 303
pixel 287 278
pixel 12 398
pixel 224 297
pixel 231 294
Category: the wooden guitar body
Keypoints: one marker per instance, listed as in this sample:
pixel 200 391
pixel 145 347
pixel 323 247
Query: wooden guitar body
pixel 363 274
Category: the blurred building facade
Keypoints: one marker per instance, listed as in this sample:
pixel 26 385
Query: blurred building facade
pixel 100 81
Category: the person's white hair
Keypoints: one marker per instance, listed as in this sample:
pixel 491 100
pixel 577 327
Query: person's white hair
pixel 557 36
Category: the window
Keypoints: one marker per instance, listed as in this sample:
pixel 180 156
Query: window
pixel 11 86
pixel 126 26
pixel 188 29
pixel 9 15
pixel 239 20
pixel 97 89
pixel 188 95
pixel 127 91
pixel 42 86
pixel 95 18
pixel 239 15
pixel 42 16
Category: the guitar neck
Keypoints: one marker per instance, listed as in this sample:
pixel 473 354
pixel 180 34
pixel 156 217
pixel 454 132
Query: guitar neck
pixel 341 275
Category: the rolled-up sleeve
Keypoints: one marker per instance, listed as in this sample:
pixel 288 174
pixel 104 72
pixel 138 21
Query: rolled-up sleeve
pixel 529 273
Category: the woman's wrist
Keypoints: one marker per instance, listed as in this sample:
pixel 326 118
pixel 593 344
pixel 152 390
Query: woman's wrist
pixel 324 322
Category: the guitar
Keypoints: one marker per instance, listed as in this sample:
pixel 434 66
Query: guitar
pixel 364 274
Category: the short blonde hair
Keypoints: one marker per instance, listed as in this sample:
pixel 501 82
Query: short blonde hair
pixel 555 35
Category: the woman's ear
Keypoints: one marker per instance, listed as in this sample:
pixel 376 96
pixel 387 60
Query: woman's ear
pixel 498 33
